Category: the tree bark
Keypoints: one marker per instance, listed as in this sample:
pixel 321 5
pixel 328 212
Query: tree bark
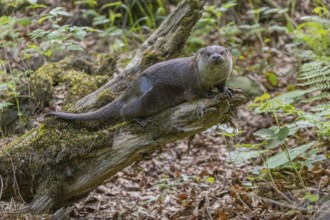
pixel 60 161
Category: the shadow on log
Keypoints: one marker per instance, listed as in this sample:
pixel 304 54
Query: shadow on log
pixel 59 162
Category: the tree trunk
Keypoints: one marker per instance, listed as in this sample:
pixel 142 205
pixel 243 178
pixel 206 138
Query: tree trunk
pixel 60 161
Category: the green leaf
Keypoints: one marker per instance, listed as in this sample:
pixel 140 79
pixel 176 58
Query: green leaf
pixel 48 53
pixel 100 20
pixel 80 33
pixel 257 11
pixel 90 3
pixel 34 6
pixel 210 179
pixel 314 159
pixel 250 146
pixel 274 143
pixel 267 133
pixel 5 105
pixel 54 34
pixel 59 11
pixel 311 197
pixel 262 98
pixel 271 11
pixel 42 19
pixel 74 47
pixel 281 158
pixel 24 22
pixel 241 155
pixel 108 5
pixel 271 78
pixel 283 133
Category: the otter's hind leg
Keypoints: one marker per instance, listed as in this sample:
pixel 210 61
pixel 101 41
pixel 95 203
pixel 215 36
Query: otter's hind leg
pixel 135 111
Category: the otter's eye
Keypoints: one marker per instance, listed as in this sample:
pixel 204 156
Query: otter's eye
pixel 208 54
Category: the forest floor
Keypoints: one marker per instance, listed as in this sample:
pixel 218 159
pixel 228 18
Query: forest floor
pixel 203 181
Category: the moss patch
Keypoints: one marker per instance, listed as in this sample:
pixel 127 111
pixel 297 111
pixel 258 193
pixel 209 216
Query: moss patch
pixel 79 82
pixel 150 58
pixel 105 97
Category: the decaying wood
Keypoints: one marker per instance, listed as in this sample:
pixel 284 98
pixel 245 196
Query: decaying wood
pixel 60 161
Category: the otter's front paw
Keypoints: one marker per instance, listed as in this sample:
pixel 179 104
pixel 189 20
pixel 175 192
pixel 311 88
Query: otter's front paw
pixel 228 92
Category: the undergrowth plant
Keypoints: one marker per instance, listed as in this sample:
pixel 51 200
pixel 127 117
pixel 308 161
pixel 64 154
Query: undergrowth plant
pixel 19 44
pixel 129 18
pixel 295 112
pixel 311 37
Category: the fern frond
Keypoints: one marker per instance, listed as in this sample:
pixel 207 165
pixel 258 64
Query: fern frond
pixel 320 86
pixel 315 69
pixel 321 107
pixel 314 80
pixel 316 77
pixel 322 95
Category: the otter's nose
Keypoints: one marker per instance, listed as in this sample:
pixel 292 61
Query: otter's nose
pixel 216 57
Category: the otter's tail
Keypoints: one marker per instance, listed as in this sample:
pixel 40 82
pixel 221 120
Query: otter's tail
pixel 112 110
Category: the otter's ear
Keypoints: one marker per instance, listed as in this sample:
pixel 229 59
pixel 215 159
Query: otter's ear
pixel 200 51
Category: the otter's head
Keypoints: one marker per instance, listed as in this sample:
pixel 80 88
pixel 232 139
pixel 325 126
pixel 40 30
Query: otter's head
pixel 214 64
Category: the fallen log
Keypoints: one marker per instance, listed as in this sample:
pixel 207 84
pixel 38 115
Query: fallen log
pixel 59 161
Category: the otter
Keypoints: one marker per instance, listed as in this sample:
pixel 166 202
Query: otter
pixel 166 84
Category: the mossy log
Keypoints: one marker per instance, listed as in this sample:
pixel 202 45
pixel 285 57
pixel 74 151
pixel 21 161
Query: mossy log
pixel 61 161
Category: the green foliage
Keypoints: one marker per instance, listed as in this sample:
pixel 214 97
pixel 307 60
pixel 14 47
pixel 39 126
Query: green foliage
pixel 279 135
pixel 314 32
pixel 39 42
pixel 315 77
pixel 135 15
pixel 316 35
pixel 281 158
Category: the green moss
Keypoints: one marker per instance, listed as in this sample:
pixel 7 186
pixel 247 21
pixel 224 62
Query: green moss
pixel 105 97
pixel 150 58
pixel 79 82
pixel 41 86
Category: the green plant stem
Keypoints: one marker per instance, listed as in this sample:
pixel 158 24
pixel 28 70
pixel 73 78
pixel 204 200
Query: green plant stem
pixel 287 153
pixel 285 148
pixel 272 179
